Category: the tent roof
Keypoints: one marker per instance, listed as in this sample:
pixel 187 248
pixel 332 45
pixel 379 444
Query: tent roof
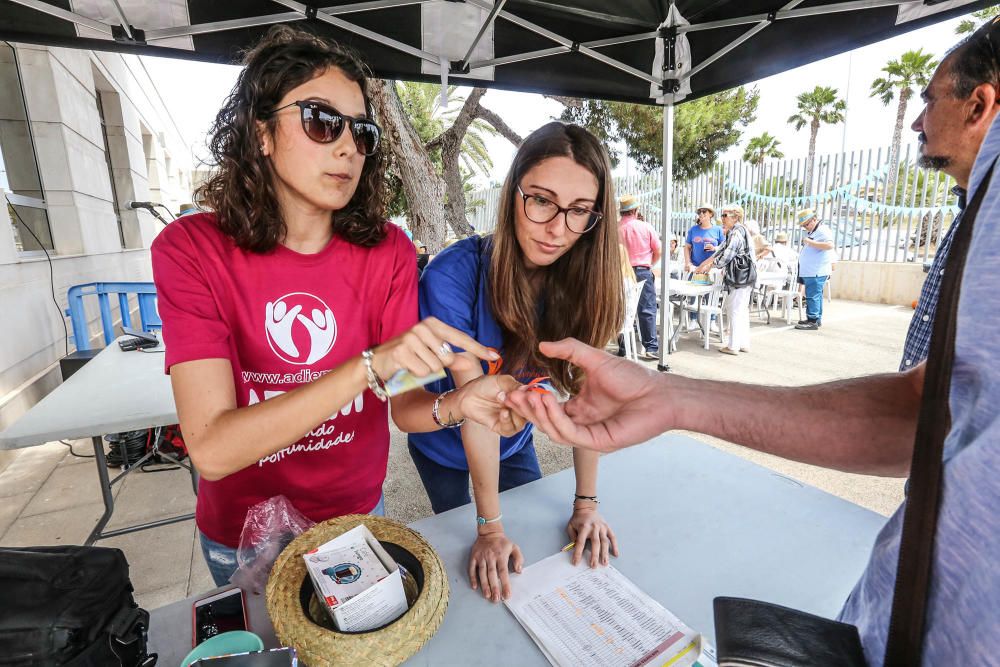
pixel 609 49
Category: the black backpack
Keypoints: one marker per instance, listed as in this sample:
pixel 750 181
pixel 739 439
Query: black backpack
pixel 69 605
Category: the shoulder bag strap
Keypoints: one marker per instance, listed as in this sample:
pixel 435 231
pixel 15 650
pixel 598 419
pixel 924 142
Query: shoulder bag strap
pixel 904 644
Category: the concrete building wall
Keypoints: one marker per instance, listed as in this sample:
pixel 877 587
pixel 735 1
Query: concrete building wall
pixel 149 161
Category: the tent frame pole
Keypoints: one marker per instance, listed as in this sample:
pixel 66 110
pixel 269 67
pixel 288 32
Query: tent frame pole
pixel 305 10
pixel 65 15
pixel 666 209
pixel 737 42
pixel 482 31
pixel 220 26
pixel 573 46
pixel 557 50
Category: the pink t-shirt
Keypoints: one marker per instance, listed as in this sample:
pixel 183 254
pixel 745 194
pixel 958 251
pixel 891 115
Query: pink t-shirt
pixel 640 240
pixel 283 319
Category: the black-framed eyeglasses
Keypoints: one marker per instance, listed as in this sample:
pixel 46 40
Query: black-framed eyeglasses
pixel 324 124
pixel 726 215
pixel 702 210
pixel 542 210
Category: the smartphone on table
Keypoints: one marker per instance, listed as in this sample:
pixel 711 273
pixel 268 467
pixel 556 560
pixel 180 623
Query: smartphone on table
pixel 217 613
pixel 138 340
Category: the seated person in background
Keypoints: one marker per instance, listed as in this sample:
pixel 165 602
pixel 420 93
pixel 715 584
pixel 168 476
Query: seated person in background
pixel 551 269
pixel 759 243
pixel 422 256
pixel 786 256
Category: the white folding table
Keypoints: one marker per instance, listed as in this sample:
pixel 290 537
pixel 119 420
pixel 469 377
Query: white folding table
pixel 692 523
pixel 115 391
pixel 682 290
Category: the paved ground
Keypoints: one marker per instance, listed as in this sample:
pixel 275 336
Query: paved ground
pixel 50 496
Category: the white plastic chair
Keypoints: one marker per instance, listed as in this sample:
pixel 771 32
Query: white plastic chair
pixel 712 309
pixel 788 296
pixel 632 292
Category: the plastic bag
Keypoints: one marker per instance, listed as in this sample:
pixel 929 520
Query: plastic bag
pixel 269 527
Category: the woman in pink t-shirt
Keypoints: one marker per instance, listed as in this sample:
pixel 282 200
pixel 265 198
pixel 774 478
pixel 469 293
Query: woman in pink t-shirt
pixel 285 308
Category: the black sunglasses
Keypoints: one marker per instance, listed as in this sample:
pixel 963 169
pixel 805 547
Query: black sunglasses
pixel 324 124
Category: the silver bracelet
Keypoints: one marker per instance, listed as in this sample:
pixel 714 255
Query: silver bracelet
pixel 375 383
pixel 437 415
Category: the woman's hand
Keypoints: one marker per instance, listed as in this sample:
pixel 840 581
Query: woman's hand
pixel 587 524
pixel 426 349
pixel 491 553
pixel 478 400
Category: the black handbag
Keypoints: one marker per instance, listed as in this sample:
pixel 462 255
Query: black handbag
pixel 741 271
pixel 759 634
pixel 72 606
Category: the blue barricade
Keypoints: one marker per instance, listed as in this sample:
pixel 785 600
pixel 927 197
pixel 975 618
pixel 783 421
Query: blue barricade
pixel 145 293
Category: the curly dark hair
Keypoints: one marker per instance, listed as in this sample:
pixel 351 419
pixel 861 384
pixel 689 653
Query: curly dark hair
pixel 241 189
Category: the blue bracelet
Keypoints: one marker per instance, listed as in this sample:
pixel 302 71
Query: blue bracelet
pixel 482 521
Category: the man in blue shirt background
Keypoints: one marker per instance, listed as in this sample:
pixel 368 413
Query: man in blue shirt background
pixel 815 265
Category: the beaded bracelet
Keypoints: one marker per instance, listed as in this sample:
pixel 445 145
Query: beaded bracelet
pixel 437 415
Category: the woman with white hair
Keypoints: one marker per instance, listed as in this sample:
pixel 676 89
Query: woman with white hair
pixel 735 249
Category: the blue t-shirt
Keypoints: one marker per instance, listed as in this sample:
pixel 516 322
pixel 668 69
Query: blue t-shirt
pixel 963 606
pixel 696 238
pixel 453 289
pixel 813 261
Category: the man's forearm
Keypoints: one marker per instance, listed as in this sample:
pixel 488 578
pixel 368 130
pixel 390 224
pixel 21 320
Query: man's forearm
pixel 863 425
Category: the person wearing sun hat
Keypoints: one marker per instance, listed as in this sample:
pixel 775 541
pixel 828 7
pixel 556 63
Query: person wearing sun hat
pixel 815 265
pixel 702 238
pixel 643 246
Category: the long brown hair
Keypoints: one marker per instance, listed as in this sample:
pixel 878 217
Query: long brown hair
pixel 241 190
pixel 581 293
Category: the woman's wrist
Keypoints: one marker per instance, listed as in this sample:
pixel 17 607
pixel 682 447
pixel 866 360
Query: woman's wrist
pixel 492 528
pixel 450 407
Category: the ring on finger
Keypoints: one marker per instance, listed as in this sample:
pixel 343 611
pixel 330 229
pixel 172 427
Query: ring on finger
pixel 444 350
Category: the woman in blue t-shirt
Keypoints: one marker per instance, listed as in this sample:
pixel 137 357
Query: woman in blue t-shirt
pixel 549 271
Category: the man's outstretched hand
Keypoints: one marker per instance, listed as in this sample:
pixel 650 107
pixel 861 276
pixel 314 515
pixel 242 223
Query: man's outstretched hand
pixel 621 403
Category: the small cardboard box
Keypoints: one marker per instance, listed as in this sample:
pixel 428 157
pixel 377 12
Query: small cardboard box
pixel 358 582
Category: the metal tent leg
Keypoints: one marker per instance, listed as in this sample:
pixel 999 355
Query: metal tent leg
pixel 666 209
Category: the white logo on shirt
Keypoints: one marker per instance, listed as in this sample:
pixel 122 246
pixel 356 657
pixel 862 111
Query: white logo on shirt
pixel 288 329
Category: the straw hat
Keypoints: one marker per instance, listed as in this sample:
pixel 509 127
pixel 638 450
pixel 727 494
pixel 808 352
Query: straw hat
pixel 707 206
pixel 781 237
pixel 805 215
pixel 627 203
pixel 318 646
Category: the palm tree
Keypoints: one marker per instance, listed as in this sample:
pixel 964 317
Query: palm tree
pixel 982 15
pixel 762 147
pixel 913 69
pixel 819 105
